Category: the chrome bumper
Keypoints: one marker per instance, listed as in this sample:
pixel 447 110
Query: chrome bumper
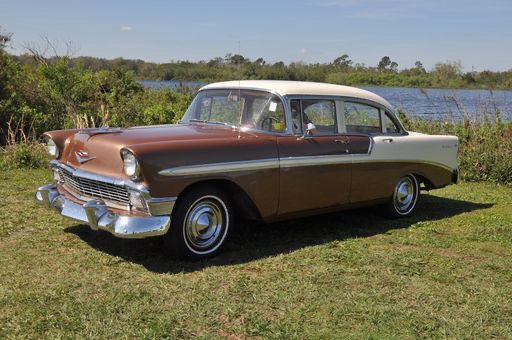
pixel 95 213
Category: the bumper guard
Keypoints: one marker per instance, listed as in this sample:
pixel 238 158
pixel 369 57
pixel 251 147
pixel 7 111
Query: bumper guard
pixel 95 213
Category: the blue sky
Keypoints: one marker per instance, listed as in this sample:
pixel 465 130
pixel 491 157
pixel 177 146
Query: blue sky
pixel 477 33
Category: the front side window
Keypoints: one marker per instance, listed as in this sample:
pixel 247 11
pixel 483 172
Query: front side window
pixel 240 108
pixel 362 118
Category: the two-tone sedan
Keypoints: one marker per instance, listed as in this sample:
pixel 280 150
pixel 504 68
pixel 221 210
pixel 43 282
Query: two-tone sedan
pixel 268 150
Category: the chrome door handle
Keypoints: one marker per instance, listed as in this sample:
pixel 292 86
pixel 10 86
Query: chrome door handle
pixel 388 140
pixel 342 141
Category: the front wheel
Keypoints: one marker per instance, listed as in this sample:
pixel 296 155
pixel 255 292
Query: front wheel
pixel 404 199
pixel 201 224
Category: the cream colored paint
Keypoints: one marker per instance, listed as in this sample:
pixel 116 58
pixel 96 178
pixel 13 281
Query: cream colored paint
pixel 439 149
pixel 302 88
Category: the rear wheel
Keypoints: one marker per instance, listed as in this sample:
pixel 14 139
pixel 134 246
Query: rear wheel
pixel 201 224
pixel 404 199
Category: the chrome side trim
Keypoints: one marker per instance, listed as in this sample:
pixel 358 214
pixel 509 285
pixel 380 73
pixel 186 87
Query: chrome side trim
pixel 212 168
pixel 290 162
pixel 439 165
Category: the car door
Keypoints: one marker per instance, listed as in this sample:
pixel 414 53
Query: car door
pixel 374 173
pixel 315 170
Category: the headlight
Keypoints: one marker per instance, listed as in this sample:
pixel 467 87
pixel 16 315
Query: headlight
pixel 52 148
pixel 131 166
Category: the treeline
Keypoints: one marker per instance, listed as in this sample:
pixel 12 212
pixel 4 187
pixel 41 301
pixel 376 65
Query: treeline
pixel 39 94
pixel 57 93
pixel 341 70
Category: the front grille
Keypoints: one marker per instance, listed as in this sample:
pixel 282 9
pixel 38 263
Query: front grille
pixel 90 188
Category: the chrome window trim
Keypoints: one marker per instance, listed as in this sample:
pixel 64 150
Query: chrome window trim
pixel 344 99
pixel 286 131
pixel 286 104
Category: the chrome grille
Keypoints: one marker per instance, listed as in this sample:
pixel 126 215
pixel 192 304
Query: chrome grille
pixel 89 188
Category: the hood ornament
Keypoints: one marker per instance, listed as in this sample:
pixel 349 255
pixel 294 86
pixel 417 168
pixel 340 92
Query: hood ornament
pixel 83 156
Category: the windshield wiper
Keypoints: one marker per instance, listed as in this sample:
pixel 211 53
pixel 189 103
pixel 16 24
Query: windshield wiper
pixel 194 120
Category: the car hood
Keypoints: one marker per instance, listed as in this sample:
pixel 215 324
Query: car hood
pixel 99 150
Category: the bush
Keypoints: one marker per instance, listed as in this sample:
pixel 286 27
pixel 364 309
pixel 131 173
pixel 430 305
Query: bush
pixel 23 155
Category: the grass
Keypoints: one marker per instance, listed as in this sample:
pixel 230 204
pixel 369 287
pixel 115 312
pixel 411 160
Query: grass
pixel 446 272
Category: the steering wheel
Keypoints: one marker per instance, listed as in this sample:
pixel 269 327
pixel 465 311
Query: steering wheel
pixel 268 121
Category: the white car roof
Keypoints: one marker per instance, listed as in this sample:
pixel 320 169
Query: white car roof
pixel 290 88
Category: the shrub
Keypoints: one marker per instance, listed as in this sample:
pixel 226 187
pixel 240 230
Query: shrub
pixel 23 155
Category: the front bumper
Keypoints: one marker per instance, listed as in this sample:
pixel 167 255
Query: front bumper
pixel 95 213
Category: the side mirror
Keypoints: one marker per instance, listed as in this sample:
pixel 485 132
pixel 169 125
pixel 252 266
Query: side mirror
pixel 310 131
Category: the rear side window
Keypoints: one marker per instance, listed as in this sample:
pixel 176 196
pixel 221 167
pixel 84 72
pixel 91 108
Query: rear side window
pixel 362 118
pixel 320 112
pixel 389 124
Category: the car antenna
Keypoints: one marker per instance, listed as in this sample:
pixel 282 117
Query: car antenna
pixel 239 90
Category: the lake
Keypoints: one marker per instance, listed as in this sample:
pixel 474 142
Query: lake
pixel 445 104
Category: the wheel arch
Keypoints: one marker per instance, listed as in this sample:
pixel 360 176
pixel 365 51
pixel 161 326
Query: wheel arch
pixel 242 202
pixel 422 179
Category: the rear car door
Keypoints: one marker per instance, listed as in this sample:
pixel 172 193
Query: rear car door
pixel 374 173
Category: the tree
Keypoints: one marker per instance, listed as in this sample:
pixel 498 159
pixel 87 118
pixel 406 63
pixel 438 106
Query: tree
pixel 419 65
pixel 260 61
pixel 4 39
pixel 236 59
pixel 342 63
pixel 447 74
pixel 384 63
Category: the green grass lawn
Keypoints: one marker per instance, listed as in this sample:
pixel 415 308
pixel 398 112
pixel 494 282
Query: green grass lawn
pixel 446 272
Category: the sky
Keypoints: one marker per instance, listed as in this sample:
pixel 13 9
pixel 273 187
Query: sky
pixel 478 33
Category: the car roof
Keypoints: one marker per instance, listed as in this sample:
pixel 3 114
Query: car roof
pixel 291 88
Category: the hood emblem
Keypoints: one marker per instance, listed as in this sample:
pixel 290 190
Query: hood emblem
pixel 83 156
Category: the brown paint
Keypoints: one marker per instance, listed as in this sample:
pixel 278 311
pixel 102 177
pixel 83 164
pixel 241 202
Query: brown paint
pixel 277 192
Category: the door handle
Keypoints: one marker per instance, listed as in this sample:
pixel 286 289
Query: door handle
pixel 387 140
pixel 342 141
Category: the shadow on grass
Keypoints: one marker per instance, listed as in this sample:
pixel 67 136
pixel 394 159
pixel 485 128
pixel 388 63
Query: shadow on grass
pixel 253 240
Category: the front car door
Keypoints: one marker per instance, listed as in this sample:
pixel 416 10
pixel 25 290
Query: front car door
pixel 316 170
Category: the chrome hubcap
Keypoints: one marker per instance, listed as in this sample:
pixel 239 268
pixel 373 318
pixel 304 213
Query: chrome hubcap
pixel 404 194
pixel 204 223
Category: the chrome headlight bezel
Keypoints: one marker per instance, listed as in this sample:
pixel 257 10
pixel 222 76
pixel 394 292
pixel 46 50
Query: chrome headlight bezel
pixel 52 148
pixel 131 166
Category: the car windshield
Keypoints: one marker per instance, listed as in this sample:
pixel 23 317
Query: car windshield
pixel 240 108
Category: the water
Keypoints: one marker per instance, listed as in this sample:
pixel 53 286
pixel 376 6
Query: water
pixel 432 104
pixel 172 84
pixel 448 104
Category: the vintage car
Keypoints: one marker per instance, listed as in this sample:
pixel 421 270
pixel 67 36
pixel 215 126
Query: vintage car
pixel 268 150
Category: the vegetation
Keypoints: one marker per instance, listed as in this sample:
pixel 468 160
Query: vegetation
pixel 340 71
pixel 444 273
pixel 55 93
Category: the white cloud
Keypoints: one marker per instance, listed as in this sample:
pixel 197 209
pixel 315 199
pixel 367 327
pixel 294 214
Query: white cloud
pixel 126 28
pixel 303 51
